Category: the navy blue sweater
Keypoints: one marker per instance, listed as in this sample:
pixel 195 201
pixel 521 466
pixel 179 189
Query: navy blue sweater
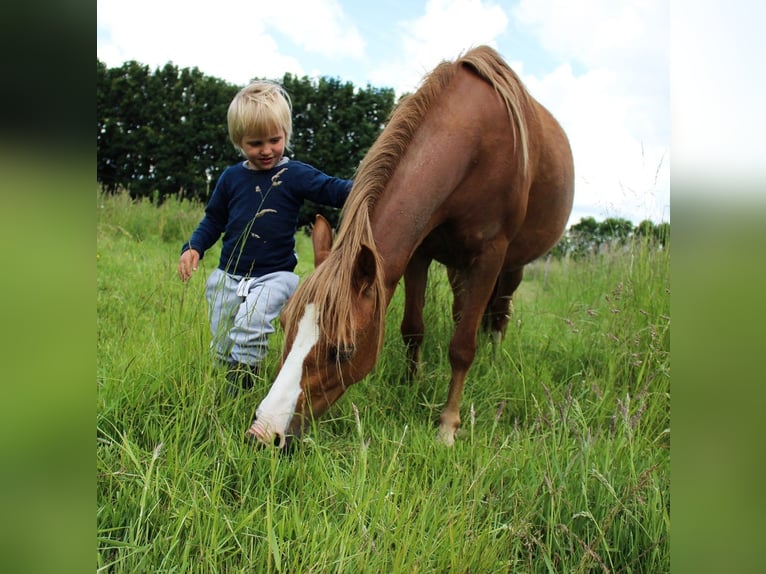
pixel 257 212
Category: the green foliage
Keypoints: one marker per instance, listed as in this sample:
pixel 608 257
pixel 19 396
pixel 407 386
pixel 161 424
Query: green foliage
pixel 562 464
pixel 163 132
pixel 589 237
pixel 659 234
pixel 615 228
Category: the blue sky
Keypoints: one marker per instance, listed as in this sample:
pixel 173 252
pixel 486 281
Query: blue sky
pixel 601 67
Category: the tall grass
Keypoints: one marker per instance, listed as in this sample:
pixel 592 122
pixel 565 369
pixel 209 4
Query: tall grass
pixel 561 465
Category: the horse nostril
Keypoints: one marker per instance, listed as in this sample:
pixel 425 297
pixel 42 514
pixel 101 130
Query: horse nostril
pixel 283 442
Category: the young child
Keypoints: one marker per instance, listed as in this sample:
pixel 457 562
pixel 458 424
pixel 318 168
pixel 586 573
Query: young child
pixel 255 205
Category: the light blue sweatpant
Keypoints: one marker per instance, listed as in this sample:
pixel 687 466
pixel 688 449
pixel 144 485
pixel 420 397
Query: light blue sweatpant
pixel 242 313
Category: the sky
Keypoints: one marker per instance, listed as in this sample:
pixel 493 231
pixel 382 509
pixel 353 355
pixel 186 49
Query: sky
pixel 600 66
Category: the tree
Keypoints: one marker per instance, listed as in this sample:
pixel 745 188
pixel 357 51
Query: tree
pixel 120 93
pixel 644 229
pixel 588 236
pixel 189 147
pixel 161 133
pixel 614 231
pixel 584 237
pixel 659 234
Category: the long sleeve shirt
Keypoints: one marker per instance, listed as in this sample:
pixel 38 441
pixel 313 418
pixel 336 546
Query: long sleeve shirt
pixel 257 213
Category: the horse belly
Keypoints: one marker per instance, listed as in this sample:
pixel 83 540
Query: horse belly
pixel 455 248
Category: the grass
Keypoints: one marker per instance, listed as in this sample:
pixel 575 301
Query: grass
pixel 561 465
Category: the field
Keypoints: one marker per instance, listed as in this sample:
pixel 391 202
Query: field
pixel 562 463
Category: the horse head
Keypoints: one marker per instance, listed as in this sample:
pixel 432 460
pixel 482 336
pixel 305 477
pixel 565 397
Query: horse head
pixel 332 339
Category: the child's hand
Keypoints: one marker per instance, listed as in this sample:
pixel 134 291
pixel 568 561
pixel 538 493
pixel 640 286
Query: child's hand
pixel 188 263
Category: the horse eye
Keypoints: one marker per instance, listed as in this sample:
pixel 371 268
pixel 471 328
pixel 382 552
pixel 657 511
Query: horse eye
pixel 342 353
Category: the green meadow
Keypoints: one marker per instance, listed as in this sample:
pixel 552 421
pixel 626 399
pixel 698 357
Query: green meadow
pixel 562 463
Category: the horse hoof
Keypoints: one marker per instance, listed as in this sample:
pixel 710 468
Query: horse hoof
pixel 446 437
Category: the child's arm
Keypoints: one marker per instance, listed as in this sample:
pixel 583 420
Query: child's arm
pixel 207 232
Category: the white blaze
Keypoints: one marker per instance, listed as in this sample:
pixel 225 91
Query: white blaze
pixel 274 413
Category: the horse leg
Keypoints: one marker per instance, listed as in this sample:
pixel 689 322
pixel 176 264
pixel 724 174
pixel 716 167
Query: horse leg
pixel 458 292
pixel 413 327
pixel 500 306
pixel 477 288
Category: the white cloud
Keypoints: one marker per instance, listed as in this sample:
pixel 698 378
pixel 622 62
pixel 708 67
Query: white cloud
pixel 630 38
pixel 596 32
pixel 616 174
pixel 235 41
pixel 446 29
pixel 318 26
pixel 616 113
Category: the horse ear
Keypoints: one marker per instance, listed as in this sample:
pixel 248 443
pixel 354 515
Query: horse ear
pixel 365 269
pixel 321 237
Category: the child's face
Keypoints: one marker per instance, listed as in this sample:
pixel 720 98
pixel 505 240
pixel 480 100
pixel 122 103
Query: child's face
pixel 263 151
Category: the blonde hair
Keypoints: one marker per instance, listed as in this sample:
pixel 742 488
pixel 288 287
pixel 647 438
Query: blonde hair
pixel 260 108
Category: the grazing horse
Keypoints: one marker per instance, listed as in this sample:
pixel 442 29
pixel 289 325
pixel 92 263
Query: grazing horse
pixel 470 171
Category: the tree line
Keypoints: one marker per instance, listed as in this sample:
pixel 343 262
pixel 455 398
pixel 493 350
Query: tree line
pixel 163 132
pixel 590 237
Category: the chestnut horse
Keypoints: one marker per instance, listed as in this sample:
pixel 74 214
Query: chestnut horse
pixel 470 171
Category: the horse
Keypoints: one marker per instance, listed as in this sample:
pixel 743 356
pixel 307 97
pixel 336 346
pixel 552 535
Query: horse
pixel 470 171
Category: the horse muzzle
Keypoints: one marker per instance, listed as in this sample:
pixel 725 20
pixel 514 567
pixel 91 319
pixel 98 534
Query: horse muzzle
pixel 265 435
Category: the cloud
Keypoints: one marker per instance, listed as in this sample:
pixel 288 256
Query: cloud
pixel 596 32
pixel 236 41
pixel 615 107
pixel 319 26
pixel 444 30
pixel 617 174
pixel 629 38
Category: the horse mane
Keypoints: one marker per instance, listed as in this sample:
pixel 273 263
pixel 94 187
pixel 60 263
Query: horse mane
pixel 490 66
pixel 331 285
